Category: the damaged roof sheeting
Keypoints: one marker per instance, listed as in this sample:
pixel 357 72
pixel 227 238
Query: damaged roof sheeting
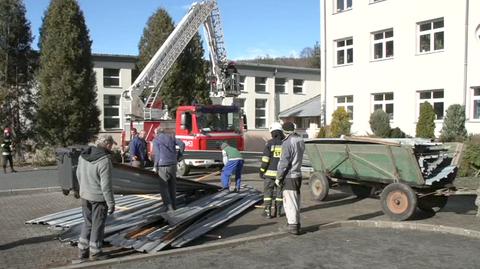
pixel 143 224
pixel 309 108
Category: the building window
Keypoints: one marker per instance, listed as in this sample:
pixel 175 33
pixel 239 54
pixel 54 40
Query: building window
pixel 242 83
pixel 431 36
pixel 435 98
pixel 260 113
pixel 344 49
pixel 297 86
pixel 280 85
pixel 240 102
pixel 111 77
pixel 383 101
pixel 260 84
pixel 111 111
pixel 346 102
pixel 476 103
pixel 341 5
pixel 382 44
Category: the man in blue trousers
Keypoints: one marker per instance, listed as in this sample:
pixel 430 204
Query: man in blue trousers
pixel 233 161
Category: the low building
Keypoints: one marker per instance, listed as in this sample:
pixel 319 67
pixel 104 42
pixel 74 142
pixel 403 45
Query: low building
pixel 266 91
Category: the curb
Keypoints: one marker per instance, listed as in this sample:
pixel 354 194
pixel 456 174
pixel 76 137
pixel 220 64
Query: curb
pixel 333 225
pixel 12 192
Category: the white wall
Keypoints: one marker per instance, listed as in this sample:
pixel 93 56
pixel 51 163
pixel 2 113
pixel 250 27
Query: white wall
pixel 407 72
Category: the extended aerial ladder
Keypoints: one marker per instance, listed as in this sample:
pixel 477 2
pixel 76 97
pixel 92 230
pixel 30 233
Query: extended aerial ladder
pixel 224 82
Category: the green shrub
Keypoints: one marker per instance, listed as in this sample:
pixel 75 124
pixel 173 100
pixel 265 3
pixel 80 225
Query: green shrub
pixel 44 157
pixel 324 132
pixel 470 164
pixel 397 133
pixel 454 124
pixel 380 123
pixel 426 121
pixel 340 124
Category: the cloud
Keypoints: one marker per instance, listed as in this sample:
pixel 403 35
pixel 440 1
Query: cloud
pixel 253 53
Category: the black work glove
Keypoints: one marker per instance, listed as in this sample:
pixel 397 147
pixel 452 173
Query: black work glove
pixel 261 175
pixel 111 210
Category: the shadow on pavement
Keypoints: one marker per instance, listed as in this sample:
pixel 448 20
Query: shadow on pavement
pixel 461 204
pixel 28 241
pixel 345 201
pixel 367 216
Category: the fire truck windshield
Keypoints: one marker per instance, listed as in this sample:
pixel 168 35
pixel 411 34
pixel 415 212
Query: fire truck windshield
pixel 218 121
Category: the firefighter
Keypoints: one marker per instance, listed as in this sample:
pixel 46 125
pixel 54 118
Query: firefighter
pixel 7 148
pixel 289 175
pixel 272 195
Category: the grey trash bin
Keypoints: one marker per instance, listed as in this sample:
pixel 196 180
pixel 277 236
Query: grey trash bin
pixel 67 161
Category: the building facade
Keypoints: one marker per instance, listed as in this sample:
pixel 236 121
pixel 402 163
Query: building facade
pixel 396 54
pixel 266 91
pixel 114 74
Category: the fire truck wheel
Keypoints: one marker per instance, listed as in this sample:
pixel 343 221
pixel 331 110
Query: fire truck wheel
pixel 182 168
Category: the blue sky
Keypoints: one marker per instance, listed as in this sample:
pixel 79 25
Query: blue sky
pixel 251 27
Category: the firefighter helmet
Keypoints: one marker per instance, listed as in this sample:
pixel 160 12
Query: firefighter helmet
pixel 276 126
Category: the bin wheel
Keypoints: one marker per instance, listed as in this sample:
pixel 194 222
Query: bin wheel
pixel 361 191
pixel 319 186
pixel 398 201
pixel 432 203
pixel 182 168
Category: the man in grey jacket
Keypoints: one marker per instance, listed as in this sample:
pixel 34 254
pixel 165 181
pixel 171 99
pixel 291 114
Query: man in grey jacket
pixel 94 173
pixel 289 175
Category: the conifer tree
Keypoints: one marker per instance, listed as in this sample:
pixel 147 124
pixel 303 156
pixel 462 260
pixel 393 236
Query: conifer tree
pixel 340 124
pixel 453 128
pixel 17 64
pixel 186 81
pixel 380 123
pixel 426 121
pixel 67 103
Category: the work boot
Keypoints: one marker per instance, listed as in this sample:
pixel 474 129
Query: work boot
pixel 14 171
pixel 100 256
pixel 293 229
pixel 82 256
pixel 267 213
pixel 5 170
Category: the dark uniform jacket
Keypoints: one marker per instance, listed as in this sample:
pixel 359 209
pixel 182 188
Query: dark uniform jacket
pixel 271 156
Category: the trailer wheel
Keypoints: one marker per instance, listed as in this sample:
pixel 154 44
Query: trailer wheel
pixel 319 186
pixel 398 201
pixel 432 203
pixel 361 191
pixel 182 168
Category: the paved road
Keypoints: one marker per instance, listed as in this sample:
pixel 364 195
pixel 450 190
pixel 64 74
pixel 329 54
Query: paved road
pixel 334 248
pixel 28 177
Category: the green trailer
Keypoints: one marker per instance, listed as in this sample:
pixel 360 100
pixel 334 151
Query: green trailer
pixel 407 173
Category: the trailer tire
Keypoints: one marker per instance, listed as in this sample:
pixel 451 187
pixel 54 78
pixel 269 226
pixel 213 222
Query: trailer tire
pixel 398 201
pixel 183 169
pixel 432 203
pixel 361 191
pixel 319 186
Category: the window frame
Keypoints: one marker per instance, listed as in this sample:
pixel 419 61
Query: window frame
pixel 475 97
pixel 296 86
pixel 345 48
pixel 345 104
pixel 345 5
pixel 383 42
pixel 264 118
pixel 264 84
pixel 284 85
pixel 105 85
pixel 431 34
pixel 384 102
pixel 117 106
pixel 432 100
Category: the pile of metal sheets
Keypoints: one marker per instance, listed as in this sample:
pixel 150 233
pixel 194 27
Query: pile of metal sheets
pixel 142 223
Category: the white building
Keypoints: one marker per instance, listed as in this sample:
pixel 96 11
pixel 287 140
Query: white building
pixel 114 75
pixel 395 54
pixel 266 91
